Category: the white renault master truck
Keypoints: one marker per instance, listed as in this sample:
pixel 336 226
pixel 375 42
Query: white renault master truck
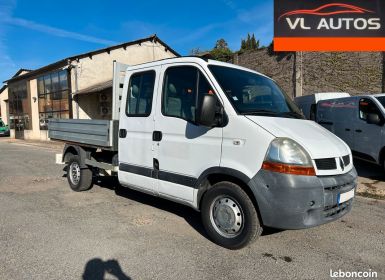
pixel 217 137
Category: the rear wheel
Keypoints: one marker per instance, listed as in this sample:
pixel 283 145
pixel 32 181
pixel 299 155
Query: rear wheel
pixel 79 179
pixel 229 216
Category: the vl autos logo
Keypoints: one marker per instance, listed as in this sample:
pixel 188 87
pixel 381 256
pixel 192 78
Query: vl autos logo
pixel 326 22
pixel 329 25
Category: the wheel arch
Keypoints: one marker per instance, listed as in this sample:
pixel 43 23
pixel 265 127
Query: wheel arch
pixel 67 151
pixel 215 175
pixel 76 150
pixel 381 157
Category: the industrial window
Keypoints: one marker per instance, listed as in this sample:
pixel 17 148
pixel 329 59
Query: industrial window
pixel 181 85
pixel 53 97
pixel 367 106
pixel 19 107
pixel 140 94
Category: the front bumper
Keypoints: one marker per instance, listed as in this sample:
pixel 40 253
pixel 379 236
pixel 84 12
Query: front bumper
pixel 5 133
pixel 294 202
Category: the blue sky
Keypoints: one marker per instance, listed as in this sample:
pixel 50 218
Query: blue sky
pixel 36 33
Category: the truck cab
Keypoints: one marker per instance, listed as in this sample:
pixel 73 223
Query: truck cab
pixel 226 141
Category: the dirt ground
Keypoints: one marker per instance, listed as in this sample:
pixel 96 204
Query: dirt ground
pixel 48 231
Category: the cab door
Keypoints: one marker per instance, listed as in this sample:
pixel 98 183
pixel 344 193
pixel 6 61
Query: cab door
pixel 136 126
pixel 183 149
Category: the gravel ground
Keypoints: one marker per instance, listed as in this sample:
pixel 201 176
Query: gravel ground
pixel 49 232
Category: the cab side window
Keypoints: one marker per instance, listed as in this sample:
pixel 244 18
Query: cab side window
pixel 183 88
pixel 140 94
pixel 367 106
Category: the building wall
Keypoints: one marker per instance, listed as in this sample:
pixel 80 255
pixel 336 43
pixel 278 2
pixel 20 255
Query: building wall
pixel 4 106
pixel 84 73
pixel 35 133
pixel 305 73
pixel 99 69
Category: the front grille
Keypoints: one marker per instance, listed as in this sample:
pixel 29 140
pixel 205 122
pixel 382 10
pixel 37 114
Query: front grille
pixel 330 211
pixel 326 163
pixel 346 160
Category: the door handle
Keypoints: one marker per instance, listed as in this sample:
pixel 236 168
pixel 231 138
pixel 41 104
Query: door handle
pixel 122 133
pixel 358 130
pixel 157 136
pixel 347 129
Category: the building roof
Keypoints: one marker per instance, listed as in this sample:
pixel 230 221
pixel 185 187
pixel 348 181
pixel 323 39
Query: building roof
pixel 66 61
pixel 20 71
pixel 3 88
pixel 15 75
pixel 95 88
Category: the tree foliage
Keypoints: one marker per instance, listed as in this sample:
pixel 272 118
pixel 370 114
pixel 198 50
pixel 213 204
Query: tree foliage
pixel 196 51
pixel 250 43
pixel 221 51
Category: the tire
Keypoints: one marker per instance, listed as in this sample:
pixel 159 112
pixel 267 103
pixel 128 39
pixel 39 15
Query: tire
pixel 229 216
pixel 79 179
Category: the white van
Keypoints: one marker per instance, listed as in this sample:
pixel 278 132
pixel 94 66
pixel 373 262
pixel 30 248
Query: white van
pixel 222 139
pixel 308 103
pixel 359 121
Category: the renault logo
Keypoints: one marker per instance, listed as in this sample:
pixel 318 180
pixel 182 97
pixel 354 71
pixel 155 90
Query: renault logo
pixel 342 165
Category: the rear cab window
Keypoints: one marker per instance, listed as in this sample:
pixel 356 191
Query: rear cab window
pixel 140 94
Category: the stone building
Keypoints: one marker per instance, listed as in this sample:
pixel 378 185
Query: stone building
pixel 77 87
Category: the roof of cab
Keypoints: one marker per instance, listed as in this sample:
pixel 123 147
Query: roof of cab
pixel 193 59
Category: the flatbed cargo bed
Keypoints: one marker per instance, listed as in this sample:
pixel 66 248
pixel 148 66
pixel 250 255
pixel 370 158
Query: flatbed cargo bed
pixel 96 133
pixel 93 132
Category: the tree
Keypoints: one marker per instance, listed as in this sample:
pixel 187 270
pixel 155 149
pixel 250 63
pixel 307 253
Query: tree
pixel 248 42
pixel 254 44
pixel 221 44
pixel 243 44
pixel 221 51
pixel 195 51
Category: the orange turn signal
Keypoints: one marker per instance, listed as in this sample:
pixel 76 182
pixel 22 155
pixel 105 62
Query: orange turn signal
pixel 288 169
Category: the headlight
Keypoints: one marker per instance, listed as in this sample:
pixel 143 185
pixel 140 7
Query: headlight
pixel 287 156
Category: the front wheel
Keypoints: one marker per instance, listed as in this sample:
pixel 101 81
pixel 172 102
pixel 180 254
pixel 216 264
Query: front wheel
pixel 79 179
pixel 229 216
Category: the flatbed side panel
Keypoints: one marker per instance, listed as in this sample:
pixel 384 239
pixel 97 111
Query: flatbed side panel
pixel 90 132
pixel 117 88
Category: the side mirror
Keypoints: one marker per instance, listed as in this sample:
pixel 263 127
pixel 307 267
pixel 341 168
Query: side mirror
pixel 205 114
pixel 373 119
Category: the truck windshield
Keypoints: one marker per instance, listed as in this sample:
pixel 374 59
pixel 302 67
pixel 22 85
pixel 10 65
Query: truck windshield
pixel 253 94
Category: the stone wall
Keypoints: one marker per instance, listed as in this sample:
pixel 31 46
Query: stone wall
pixel 310 72
pixel 280 67
pixel 352 72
